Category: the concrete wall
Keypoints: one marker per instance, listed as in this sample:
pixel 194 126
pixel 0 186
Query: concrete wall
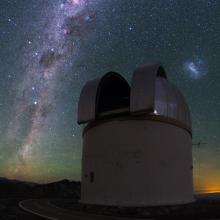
pixel 136 163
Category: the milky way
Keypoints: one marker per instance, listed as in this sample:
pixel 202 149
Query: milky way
pixel 36 92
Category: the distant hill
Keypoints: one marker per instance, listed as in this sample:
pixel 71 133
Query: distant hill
pixel 16 188
pixel 63 188
pixel 208 197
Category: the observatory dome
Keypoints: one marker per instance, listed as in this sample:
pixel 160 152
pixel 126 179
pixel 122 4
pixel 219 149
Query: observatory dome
pixel 137 142
pixel 151 94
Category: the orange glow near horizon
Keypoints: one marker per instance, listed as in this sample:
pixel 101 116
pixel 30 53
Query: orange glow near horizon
pixel 206 182
pixel 206 175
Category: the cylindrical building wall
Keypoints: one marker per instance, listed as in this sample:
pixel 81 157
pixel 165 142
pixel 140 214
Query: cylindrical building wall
pixel 132 162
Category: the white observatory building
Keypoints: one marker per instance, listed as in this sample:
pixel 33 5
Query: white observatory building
pixel 137 141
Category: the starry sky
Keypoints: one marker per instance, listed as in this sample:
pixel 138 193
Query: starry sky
pixel 50 48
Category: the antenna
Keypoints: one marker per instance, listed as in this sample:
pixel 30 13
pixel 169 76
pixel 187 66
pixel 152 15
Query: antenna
pixel 199 144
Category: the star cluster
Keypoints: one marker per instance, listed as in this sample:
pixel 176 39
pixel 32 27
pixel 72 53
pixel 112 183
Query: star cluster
pixel 195 68
pixel 49 49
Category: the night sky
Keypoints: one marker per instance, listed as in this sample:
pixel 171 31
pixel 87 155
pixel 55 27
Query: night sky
pixel 50 48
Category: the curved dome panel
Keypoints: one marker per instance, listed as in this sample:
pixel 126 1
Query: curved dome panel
pixel 143 87
pixel 87 101
pixel 169 102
